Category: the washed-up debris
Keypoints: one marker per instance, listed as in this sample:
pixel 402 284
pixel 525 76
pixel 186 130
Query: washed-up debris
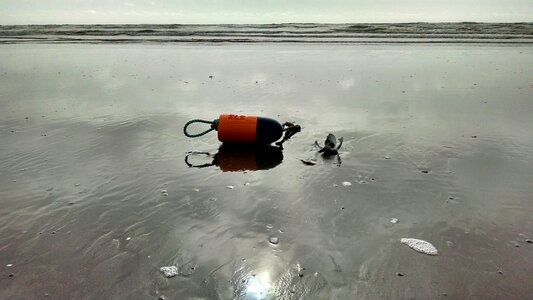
pixel 420 246
pixel 346 183
pixel 230 187
pixel 330 145
pixel 273 240
pixel 308 162
pixel 394 220
pixel 169 271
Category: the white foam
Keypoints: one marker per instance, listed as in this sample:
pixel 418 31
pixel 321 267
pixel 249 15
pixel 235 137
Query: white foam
pixel 169 271
pixel 420 246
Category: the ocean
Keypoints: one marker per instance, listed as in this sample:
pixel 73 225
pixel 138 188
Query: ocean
pixel 466 32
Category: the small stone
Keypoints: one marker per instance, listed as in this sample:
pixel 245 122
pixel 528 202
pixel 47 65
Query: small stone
pixel 301 274
pixel 210 76
pixel 11 274
pixel 26 118
pixel 196 190
pixel 425 171
pixel 230 187
pixel 169 271
pixel 529 241
pixel 9 265
pixel 500 272
pixel 46 294
pixel 77 184
pixel 394 220
pixel 128 238
pixel 474 136
pixel 273 240
pixel 346 183
pixel 387 157
pixel 53 232
pixel 400 274
pixel 161 298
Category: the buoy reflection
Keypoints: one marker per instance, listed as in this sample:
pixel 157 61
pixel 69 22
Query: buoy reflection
pixel 241 157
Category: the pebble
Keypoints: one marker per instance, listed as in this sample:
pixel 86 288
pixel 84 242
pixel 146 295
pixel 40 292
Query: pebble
pixel 196 190
pixel 11 274
pixel 273 240
pixel 164 193
pixel 425 171
pixel 394 220
pixel 77 184
pixel 169 271
pixel 9 265
pixel 529 241
pixel 387 157
pixel 161 298
pixel 346 183
pixel 400 274
pixel 420 246
pixel 231 187
pixel 128 238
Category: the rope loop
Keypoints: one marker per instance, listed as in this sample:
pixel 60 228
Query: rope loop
pixel 214 126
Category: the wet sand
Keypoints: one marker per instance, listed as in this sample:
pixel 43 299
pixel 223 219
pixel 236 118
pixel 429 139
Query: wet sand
pixel 95 195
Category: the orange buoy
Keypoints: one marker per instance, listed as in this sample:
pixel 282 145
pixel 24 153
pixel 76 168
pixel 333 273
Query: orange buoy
pixel 242 129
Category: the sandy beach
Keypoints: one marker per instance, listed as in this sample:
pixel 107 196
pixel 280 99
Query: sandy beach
pixel 95 196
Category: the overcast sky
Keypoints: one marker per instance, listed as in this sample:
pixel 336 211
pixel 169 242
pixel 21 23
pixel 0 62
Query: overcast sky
pixel 261 11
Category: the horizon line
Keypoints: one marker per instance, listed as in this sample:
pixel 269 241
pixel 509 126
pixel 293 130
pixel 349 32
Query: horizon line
pixel 274 23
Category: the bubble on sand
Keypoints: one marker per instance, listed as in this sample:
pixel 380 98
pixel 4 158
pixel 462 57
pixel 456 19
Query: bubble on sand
pixel 273 240
pixel 169 271
pixel 394 220
pixel 346 183
pixel 420 246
